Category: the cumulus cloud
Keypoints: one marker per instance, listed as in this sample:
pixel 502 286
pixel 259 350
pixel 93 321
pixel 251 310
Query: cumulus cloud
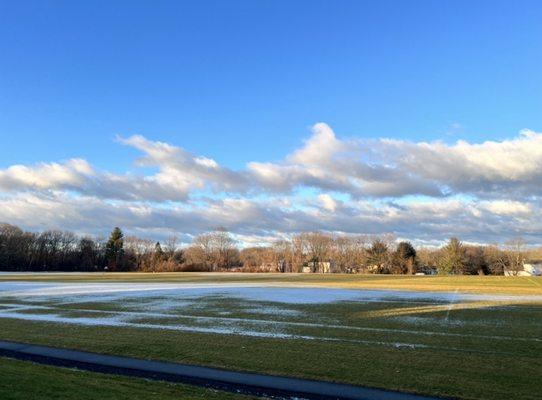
pixel 184 171
pixel 327 163
pixel 394 168
pixel 264 220
pixel 371 168
pixel 481 191
pixel 70 174
pixel 481 168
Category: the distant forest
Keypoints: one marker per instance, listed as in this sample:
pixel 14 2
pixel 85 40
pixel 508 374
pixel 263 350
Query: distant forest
pixel 54 250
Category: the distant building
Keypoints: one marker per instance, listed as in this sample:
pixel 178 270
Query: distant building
pixel 426 270
pixel 319 267
pixel 531 268
pixel 373 269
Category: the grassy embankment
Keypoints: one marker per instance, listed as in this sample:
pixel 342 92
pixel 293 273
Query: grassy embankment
pixel 22 380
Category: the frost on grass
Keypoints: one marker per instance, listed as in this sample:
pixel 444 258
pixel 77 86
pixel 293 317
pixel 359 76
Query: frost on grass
pixel 255 292
pixel 263 310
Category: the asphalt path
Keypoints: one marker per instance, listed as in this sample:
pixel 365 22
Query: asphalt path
pixel 232 381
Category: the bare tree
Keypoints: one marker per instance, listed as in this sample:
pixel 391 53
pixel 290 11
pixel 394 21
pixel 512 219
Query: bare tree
pixel 298 252
pixel 497 260
pixel 349 252
pixel 282 251
pixel 516 248
pixel 317 247
pixel 195 259
pixel 218 249
pixel 476 261
pixel 258 259
pixel 171 246
pixel 140 250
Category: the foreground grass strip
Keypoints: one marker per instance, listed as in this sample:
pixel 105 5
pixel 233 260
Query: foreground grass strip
pixel 24 380
pixel 461 375
pixel 256 384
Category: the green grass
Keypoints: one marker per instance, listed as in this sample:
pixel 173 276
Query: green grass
pixel 23 380
pixel 468 349
pixel 474 284
pixel 466 366
pixel 454 373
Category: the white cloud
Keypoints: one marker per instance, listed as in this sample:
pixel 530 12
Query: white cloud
pixel 416 190
pixel 328 202
pixel 484 168
pixel 71 173
pixel 508 207
pixel 271 218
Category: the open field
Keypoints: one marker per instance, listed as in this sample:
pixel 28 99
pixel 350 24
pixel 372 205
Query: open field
pixel 461 283
pixel 22 380
pixel 467 337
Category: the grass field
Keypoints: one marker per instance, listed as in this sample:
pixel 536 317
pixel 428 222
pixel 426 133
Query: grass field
pixel 473 284
pixel 21 380
pixel 467 337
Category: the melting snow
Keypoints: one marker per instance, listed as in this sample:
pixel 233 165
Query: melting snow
pixel 96 292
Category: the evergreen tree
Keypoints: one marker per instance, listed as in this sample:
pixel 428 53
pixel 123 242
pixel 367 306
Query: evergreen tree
pixel 453 258
pixel 114 249
pixel 405 257
pixel 158 250
pixel 158 256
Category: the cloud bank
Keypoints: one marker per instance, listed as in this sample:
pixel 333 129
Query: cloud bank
pixel 426 191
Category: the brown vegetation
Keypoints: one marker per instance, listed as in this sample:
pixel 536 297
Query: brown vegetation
pixel 218 251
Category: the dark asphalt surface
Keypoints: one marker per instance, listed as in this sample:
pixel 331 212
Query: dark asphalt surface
pixel 231 381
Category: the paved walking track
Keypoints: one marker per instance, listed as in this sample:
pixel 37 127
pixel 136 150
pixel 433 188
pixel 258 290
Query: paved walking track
pixel 238 382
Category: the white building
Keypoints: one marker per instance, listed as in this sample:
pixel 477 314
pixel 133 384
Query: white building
pixel 533 268
pixel 320 267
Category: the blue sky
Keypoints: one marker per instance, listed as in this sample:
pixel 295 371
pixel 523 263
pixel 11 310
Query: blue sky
pixel 244 81
pixel 214 75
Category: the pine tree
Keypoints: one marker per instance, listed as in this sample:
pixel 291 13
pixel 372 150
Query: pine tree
pixel 158 257
pixel 158 250
pixel 453 259
pixel 405 257
pixel 114 249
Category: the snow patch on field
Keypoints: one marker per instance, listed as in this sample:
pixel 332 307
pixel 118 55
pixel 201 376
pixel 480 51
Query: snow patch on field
pixel 219 308
pixel 271 310
pixel 425 321
pixel 118 321
pixel 98 292
pixel 224 325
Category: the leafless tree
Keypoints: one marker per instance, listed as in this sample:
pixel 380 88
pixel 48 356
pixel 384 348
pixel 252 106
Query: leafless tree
pixel 516 248
pixel 140 250
pixel 171 246
pixel 349 252
pixel 218 249
pixel 497 259
pixel 283 255
pixel 476 262
pixel 258 259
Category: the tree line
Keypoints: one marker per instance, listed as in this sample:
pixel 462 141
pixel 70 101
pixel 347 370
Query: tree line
pixel 54 250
